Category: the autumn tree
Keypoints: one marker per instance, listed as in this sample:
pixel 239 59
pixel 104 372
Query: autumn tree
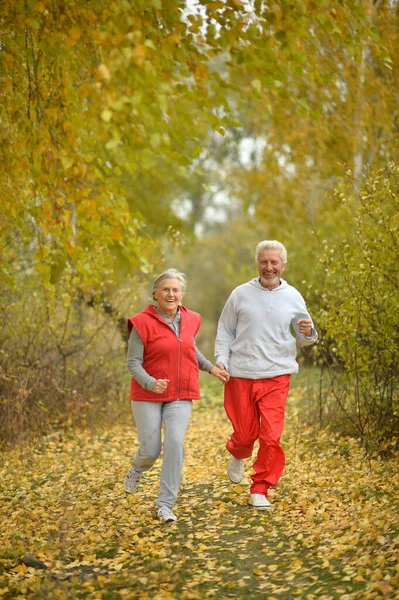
pixel 315 89
pixel 116 116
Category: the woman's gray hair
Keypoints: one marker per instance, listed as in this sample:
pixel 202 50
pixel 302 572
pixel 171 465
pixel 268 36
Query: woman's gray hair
pixel 271 245
pixel 171 274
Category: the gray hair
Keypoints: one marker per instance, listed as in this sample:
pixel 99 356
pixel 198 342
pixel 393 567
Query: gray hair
pixel 171 274
pixel 271 245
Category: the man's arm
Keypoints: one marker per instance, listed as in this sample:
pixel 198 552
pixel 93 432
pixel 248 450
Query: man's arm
pixel 226 333
pixel 305 331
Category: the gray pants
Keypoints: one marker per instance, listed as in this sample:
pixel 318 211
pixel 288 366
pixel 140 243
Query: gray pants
pixel 149 417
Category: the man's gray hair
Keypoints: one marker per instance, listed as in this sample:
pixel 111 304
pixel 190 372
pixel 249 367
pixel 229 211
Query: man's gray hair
pixel 271 245
pixel 171 274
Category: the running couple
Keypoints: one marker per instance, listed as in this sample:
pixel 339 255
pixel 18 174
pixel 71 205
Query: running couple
pixel 255 350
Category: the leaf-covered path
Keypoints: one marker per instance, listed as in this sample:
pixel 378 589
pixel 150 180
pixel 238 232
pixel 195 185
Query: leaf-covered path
pixel 331 533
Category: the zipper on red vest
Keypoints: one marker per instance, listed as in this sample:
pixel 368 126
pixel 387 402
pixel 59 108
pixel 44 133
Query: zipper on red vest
pixel 182 324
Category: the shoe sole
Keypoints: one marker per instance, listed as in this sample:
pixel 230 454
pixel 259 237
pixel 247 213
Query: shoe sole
pixel 261 507
pixel 168 520
pixel 232 480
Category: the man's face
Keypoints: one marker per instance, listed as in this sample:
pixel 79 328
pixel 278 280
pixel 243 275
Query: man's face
pixel 270 267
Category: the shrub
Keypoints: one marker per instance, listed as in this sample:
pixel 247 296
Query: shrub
pixel 63 359
pixel 360 319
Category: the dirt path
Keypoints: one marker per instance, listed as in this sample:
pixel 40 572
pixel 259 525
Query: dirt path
pixel 332 531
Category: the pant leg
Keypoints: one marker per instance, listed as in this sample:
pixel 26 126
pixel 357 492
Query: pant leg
pixel 243 413
pixel 175 416
pixel 148 419
pixel 271 397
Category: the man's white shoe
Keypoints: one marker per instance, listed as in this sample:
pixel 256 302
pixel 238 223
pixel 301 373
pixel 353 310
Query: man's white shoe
pixel 235 469
pixel 166 515
pixel 260 502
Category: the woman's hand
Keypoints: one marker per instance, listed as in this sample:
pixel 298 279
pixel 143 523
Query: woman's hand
pixel 160 386
pixel 220 372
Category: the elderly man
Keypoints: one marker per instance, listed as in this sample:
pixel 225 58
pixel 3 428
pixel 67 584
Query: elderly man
pixel 256 342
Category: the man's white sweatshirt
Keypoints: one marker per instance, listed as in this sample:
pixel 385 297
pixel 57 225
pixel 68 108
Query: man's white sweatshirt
pixel 257 331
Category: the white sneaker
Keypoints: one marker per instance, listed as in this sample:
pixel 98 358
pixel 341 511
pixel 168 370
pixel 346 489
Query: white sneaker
pixel 260 502
pixel 235 469
pixel 166 515
pixel 131 481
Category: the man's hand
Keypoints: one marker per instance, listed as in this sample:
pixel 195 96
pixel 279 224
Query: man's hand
pixel 305 327
pixel 220 372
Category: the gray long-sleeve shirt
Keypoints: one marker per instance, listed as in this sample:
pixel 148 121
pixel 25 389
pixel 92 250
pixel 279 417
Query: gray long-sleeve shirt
pixel 257 331
pixel 135 354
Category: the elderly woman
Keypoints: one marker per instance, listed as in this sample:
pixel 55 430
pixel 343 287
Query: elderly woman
pixel 163 360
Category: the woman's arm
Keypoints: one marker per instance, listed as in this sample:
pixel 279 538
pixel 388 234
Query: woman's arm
pixel 206 365
pixel 135 355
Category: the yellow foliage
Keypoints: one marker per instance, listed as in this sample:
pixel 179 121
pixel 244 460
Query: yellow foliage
pixel 302 547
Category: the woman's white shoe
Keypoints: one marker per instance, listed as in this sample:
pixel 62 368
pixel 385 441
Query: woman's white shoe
pixel 166 515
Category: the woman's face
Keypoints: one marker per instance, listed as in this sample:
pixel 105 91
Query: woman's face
pixel 168 295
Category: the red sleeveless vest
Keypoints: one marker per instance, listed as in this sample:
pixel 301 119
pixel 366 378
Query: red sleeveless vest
pixel 166 356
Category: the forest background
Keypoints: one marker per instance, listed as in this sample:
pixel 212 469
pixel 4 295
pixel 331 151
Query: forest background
pixel 147 133
pixel 141 134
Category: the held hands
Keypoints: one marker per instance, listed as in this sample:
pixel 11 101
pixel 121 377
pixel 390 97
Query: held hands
pixel 160 386
pixel 220 372
pixel 305 327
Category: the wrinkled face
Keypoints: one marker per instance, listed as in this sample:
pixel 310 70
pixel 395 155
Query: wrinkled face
pixel 168 295
pixel 270 267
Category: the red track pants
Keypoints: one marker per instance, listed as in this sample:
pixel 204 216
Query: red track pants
pixel 255 408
